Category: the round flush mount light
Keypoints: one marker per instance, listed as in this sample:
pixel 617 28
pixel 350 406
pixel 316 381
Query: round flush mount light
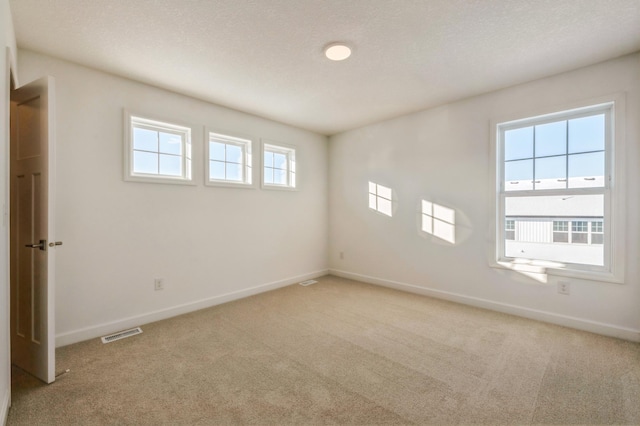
pixel 337 51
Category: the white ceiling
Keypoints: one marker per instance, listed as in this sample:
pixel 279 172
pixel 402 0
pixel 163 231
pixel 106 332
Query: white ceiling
pixel 265 56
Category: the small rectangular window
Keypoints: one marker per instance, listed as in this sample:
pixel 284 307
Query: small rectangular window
pixel 579 233
pixel 157 151
pixel 229 161
pixel 560 231
pixel 279 166
pixel 597 232
pixel 510 229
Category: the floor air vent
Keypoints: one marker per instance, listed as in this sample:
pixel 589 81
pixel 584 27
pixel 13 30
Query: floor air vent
pixel 308 282
pixel 121 335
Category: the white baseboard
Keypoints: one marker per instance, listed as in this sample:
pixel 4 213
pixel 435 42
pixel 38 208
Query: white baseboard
pixel 550 317
pixel 4 405
pixel 92 332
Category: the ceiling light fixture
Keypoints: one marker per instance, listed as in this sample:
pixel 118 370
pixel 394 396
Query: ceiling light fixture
pixel 337 51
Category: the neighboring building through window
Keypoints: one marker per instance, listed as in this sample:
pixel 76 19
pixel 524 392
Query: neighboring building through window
pixel 554 175
pixel 279 167
pixel 157 151
pixel 229 160
pixel 380 199
pixel 509 229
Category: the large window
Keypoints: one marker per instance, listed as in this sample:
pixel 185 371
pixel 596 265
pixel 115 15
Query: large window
pixel 279 166
pixel 157 151
pixel 229 161
pixel 555 198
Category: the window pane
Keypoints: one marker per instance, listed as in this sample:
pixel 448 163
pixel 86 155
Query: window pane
pixel 170 143
pixel 551 139
pixel 145 162
pixel 268 175
pixel 596 226
pixel 145 140
pixel 560 237
pixel 234 172
pixel 579 237
pixel 216 151
pixel 518 143
pixel 268 159
pixel 518 175
pixel 216 170
pixel 279 161
pixel 586 134
pixel 280 176
pixel 597 239
pixel 170 165
pixel 510 235
pixel 579 226
pixel 551 172
pixel 234 153
pixel 560 226
pixel 586 170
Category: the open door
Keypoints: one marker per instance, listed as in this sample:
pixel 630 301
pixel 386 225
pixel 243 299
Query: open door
pixel 32 241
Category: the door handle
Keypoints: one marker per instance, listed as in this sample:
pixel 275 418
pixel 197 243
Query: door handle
pixel 42 245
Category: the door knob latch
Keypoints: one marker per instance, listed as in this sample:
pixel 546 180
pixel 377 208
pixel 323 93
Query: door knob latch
pixel 42 245
pixel 55 243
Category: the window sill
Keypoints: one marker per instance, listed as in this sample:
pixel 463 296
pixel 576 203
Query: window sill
pixel 542 268
pixel 227 184
pixel 279 187
pixel 159 180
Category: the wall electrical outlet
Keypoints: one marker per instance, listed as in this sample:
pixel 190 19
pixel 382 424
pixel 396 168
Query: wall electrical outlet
pixel 158 284
pixel 564 287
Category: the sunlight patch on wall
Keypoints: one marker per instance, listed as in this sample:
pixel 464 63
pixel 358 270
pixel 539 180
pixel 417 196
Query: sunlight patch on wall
pixel 439 221
pixel 380 199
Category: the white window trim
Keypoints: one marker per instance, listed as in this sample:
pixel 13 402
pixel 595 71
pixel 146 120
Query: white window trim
pixel 170 125
pixel 250 158
pixel 615 202
pixel 292 172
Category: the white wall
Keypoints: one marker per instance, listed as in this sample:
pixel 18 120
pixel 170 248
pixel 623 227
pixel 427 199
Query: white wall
pixel 442 155
pixel 7 41
pixel 210 244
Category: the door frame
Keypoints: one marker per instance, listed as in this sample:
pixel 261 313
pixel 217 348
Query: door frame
pixel 11 82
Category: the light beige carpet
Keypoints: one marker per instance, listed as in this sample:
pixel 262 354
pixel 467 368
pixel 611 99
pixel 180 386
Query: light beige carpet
pixel 340 352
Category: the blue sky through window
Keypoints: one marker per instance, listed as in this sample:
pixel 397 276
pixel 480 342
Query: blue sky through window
pixel 582 136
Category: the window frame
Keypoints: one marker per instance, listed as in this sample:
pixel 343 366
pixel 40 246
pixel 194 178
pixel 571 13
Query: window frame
pixel 613 191
pixel 248 166
pixel 292 174
pixel 145 121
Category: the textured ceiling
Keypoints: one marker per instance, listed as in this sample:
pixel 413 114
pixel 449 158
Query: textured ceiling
pixel 265 56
